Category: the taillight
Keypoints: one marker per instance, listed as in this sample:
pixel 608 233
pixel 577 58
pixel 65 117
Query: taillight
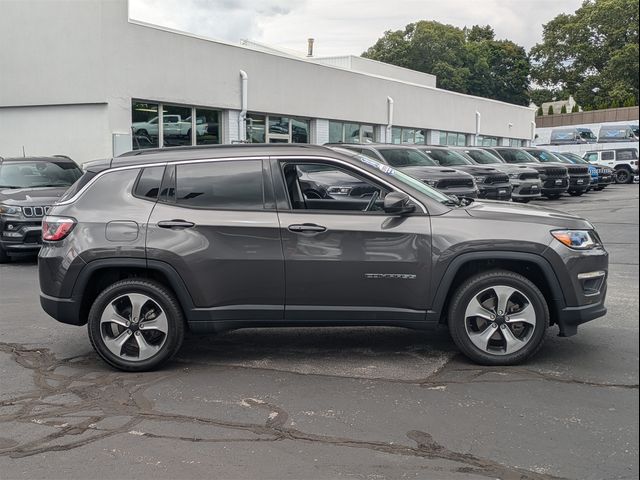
pixel 56 228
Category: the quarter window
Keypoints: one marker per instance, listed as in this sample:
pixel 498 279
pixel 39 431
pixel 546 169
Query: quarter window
pixel 149 183
pixel 233 185
pixel 608 155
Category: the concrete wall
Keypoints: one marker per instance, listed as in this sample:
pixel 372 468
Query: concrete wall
pixel 79 131
pixel 86 51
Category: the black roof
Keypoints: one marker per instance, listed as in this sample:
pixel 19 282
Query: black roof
pixel 178 154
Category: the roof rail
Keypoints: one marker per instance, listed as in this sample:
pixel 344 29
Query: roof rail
pixel 150 151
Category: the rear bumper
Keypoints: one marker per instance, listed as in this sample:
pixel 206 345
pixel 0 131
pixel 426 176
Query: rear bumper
pixel 64 310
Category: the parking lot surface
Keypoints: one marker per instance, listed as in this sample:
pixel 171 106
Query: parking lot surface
pixel 359 403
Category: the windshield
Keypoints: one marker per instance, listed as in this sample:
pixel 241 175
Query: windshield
pixel 406 180
pixel 447 158
pixel 572 158
pixel 483 157
pixel 517 156
pixel 615 132
pixel 38 173
pixel 406 157
pixel 588 134
pixel 544 156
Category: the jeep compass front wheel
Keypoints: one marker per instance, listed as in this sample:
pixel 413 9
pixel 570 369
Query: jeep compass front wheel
pixel 135 325
pixel 498 318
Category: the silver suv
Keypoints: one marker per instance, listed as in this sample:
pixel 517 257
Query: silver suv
pixel 148 245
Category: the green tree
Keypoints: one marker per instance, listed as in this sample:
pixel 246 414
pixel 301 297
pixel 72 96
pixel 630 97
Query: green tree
pixel 593 52
pixel 575 109
pixel 550 111
pixel 563 109
pixel 467 61
pixel 540 112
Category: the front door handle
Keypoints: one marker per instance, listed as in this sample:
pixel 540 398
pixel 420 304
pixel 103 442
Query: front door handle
pixel 307 228
pixel 176 224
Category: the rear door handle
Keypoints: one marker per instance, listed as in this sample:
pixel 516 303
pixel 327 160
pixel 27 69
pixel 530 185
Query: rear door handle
pixel 176 224
pixel 307 228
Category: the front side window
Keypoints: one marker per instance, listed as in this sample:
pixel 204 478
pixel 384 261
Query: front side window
pixel 38 173
pixel 320 186
pixel 591 157
pixel 232 185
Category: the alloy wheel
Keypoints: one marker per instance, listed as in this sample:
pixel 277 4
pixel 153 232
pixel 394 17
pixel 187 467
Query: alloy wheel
pixel 134 327
pixel 500 320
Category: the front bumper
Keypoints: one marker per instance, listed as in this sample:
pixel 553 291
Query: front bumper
pixel 20 236
pixel 526 188
pixel 495 191
pixel 605 179
pixel 580 183
pixel 555 185
pixel 572 317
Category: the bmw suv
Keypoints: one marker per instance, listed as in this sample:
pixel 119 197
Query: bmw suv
pixel 28 187
pixel 207 239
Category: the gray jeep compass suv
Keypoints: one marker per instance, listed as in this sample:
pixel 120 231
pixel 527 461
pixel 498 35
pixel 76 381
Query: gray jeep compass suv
pixel 152 243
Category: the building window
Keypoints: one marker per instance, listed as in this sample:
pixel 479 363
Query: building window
pixel 144 125
pixel 453 139
pixel 280 129
pixel 484 141
pixel 179 125
pixel 341 132
pixel 207 127
pixel 516 142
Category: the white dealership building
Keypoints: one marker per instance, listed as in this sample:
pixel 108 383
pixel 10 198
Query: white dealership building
pixel 80 78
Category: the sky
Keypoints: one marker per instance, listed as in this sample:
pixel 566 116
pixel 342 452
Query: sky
pixel 342 27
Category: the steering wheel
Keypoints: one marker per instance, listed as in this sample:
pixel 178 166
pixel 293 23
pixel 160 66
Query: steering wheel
pixel 372 202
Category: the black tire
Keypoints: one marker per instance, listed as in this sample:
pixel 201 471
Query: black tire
pixel 4 258
pixel 554 196
pixel 623 176
pixel 483 282
pixel 521 200
pixel 577 193
pixel 159 295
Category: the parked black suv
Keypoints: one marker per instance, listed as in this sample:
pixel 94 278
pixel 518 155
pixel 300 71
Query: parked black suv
pixel 555 178
pixel 28 187
pixel 415 163
pixel 214 238
pixel 492 184
pixel 579 176
pixel 524 180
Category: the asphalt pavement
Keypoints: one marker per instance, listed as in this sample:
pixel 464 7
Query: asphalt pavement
pixel 353 403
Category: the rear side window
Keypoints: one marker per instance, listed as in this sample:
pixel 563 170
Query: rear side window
pixel 627 155
pixel 608 155
pixel 235 185
pixel 148 185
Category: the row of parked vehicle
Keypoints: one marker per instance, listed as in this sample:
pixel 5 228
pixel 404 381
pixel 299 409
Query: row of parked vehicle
pixel 582 135
pixel 497 173
pixel 28 186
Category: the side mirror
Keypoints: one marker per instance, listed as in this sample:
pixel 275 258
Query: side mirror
pixel 396 203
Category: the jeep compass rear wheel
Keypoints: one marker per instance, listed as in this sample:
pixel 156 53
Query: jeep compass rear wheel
pixel 136 325
pixel 498 318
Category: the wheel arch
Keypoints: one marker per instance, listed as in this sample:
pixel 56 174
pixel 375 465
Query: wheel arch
pixel 99 274
pixel 532 266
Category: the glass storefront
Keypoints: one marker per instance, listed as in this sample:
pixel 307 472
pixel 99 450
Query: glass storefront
pixel 484 141
pixel 280 129
pixel 344 132
pixel 181 125
pixel 410 136
pixel 453 139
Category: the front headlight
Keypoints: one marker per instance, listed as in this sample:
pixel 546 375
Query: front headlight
pixel 9 210
pixel 514 175
pixel 431 183
pixel 577 239
pixel 479 179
